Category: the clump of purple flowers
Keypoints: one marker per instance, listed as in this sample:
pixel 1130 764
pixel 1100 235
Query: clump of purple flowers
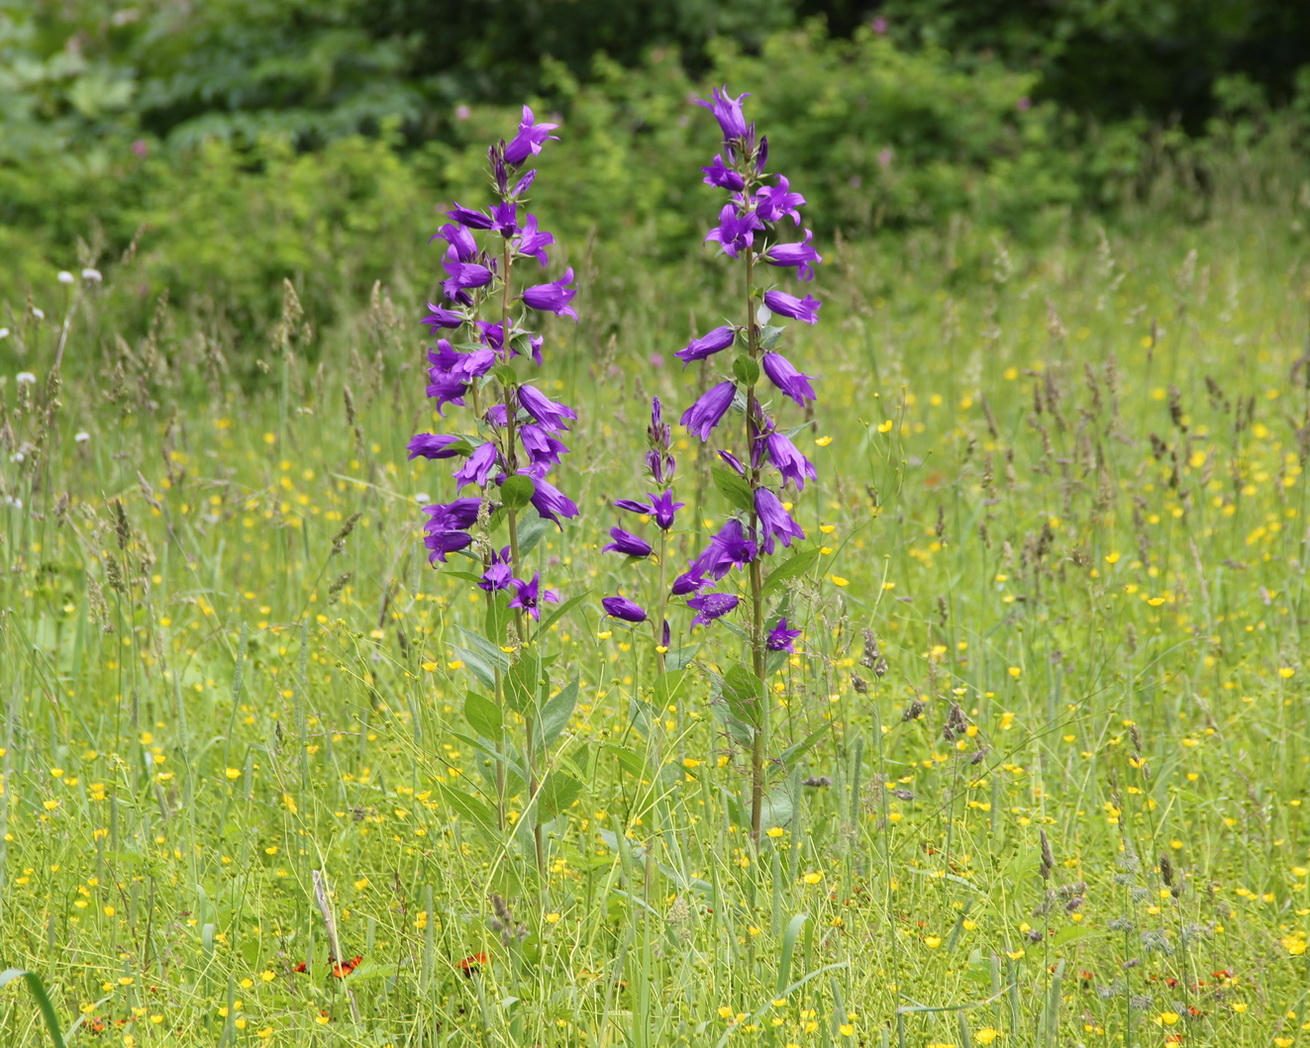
pixel 660 508
pixel 482 344
pixel 762 478
pixel 748 230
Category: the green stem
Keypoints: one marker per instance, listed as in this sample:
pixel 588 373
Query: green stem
pixel 760 742
pixel 511 519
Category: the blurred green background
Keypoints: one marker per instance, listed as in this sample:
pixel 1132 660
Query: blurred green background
pixel 228 144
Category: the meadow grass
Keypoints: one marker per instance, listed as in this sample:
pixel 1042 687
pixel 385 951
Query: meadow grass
pixel 1054 795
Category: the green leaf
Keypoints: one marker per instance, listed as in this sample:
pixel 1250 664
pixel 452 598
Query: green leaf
pixel 532 529
pixel 800 563
pixel 517 492
pixel 504 374
pixel 680 658
pixel 470 808
pixel 563 609
pixel 746 370
pixel 556 711
pixel 483 715
pixel 744 694
pixel 523 680
pixel 1072 933
pixel 734 487
pixel 629 760
pixel 37 987
pixel 476 665
pixel 668 688
pixel 799 748
pixel 769 337
pixel 557 793
pixel 498 616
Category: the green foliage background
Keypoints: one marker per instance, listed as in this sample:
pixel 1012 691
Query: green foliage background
pixel 237 143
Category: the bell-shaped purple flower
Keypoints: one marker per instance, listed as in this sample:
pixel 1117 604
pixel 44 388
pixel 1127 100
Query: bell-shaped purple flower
pixel 466 216
pixel 532 241
pixel 708 412
pixel 728 548
pixel 529 140
pixel 775 522
pixel 780 638
pixel 523 184
pixel 464 275
pixel 735 231
pixel 805 309
pixel 801 255
pixel 504 218
pixel 733 462
pixel 721 176
pixel 446 388
pixel 707 345
pixel 499 573
pixel 551 503
pixel 544 450
pixel 462 247
pixel 553 297
pixel 690 581
pixel 621 608
pixel 453 516
pixel 528 595
pixel 441 317
pixel 551 414
pixel 711 606
pixel 661 507
pixel 478 467
pixel 778 201
pixel 439 543
pixel 789 461
pixel 790 381
pixel 727 111
pixel 627 543
pixel 432 446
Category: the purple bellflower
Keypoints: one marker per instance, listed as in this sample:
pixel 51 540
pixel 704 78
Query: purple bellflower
pixel 775 522
pixel 528 595
pixel 628 543
pixel 553 297
pixel 439 543
pixel 711 606
pixel 621 608
pixel 544 450
pixel 432 446
pixel 773 203
pixel 466 216
pixel 529 140
pixel 441 317
pixel 551 503
pixel 790 381
pixel 780 638
pixel 453 516
pixel 708 412
pixel 723 177
pixel 801 255
pixel 788 460
pixel 463 247
pixel 707 345
pixel 735 231
pixel 804 309
pixel 499 573
pixel 532 241
pixel 727 111
pixel 478 467
pixel 661 507
pixel 551 414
